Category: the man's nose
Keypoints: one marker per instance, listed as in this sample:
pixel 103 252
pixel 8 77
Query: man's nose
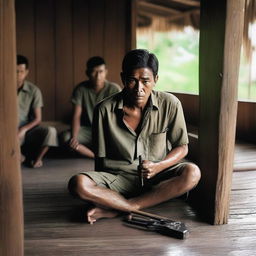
pixel 140 86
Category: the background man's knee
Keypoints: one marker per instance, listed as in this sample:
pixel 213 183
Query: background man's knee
pixel 51 138
pixel 65 137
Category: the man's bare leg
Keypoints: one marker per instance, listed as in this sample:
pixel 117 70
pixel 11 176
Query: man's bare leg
pixel 89 191
pixel 169 189
pixel 85 151
pixel 38 162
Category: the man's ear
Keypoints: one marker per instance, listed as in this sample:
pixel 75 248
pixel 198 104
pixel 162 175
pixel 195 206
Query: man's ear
pixel 27 72
pixel 156 78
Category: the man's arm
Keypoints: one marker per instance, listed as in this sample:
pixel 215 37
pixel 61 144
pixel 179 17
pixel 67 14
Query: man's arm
pixel 36 121
pixel 150 169
pixel 77 112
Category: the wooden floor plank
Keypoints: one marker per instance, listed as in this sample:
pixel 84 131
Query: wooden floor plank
pixel 54 226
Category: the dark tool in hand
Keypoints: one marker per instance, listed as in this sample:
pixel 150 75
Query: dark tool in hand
pixel 140 171
pixel 162 225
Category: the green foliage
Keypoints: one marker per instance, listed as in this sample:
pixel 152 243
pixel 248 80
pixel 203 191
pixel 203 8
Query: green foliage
pixel 178 55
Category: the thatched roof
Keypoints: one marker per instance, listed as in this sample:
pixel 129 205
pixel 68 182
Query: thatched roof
pixel 166 15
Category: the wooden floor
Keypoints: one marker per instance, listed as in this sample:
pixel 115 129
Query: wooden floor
pixel 245 156
pixel 54 227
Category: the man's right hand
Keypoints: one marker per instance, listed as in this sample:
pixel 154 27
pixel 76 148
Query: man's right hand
pixel 21 133
pixel 74 143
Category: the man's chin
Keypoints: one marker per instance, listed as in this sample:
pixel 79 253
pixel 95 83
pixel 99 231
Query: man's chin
pixel 140 102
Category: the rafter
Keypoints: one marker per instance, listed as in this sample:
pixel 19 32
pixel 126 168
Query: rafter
pixel 187 2
pixel 160 8
pixel 183 14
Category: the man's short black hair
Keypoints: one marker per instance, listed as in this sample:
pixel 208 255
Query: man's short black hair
pixel 139 58
pixel 22 60
pixel 94 62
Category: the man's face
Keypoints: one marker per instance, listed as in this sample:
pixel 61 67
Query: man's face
pixel 139 85
pixel 98 74
pixel 22 73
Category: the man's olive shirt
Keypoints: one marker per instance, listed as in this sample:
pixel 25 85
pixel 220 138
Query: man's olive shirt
pixel 117 147
pixel 85 96
pixel 29 98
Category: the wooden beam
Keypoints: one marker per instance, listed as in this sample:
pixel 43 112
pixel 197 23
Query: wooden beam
pixel 183 14
pixel 159 8
pixel 187 2
pixel 172 17
pixel 131 24
pixel 11 211
pixel 220 44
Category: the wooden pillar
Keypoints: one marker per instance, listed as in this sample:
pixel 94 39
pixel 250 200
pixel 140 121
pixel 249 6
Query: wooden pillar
pixel 131 27
pixel 220 44
pixel 11 210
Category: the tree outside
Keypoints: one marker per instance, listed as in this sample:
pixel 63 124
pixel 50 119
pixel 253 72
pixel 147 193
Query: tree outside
pixel 178 54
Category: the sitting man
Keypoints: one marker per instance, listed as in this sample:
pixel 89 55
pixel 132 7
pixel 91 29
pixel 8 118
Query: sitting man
pixel 137 123
pixel 85 97
pixel 30 115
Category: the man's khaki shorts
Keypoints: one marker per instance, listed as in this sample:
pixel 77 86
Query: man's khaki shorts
pixel 128 184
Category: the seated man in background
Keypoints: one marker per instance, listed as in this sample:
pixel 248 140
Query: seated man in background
pixel 136 129
pixel 30 116
pixel 85 97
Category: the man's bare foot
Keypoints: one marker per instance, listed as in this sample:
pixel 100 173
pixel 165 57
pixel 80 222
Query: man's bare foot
pixel 97 213
pixel 37 163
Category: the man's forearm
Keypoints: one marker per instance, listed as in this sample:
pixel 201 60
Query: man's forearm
pixel 173 157
pixel 30 125
pixel 75 127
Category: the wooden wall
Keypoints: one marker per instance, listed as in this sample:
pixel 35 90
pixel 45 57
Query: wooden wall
pixel 246 115
pixel 246 121
pixel 58 36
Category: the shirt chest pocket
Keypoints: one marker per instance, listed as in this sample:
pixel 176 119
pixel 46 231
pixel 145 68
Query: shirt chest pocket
pixel 157 145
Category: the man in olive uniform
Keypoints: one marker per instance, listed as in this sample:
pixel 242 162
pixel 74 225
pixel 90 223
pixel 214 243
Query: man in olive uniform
pixel 85 97
pixel 137 123
pixel 30 103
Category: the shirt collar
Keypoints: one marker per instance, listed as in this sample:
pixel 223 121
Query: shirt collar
pixel 25 86
pixel 153 101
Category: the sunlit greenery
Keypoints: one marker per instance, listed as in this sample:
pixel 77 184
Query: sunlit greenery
pixel 246 91
pixel 178 53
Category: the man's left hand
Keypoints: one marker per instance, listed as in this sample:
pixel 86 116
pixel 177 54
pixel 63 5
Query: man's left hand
pixel 150 169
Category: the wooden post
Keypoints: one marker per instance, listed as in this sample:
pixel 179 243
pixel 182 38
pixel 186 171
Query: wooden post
pixel 11 210
pixel 132 10
pixel 220 44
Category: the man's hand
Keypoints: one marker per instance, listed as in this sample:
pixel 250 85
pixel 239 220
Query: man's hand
pixel 21 133
pixel 149 169
pixel 74 143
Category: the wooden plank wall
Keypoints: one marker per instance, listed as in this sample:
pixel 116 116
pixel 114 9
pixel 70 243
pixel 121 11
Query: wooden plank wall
pixel 246 121
pixel 246 115
pixel 58 36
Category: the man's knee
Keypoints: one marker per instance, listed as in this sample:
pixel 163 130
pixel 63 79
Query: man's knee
pixel 52 131
pixel 51 138
pixel 65 137
pixel 80 186
pixel 191 175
